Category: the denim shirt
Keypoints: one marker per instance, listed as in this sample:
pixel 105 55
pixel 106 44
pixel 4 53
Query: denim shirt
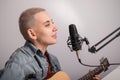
pixel 28 63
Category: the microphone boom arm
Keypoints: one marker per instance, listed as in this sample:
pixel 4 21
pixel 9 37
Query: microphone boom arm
pixel 93 48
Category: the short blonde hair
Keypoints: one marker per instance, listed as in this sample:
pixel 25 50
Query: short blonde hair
pixel 26 20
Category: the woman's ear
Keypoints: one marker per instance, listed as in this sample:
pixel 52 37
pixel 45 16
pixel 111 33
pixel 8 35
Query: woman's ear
pixel 31 34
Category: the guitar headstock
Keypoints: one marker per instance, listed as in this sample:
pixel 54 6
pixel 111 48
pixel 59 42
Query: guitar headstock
pixel 104 63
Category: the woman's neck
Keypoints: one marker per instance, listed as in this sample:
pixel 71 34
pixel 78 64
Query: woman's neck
pixel 42 47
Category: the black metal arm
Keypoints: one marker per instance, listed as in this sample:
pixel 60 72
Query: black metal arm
pixel 93 48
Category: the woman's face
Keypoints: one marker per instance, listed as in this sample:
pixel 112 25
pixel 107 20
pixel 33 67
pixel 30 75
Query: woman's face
pixel 45 29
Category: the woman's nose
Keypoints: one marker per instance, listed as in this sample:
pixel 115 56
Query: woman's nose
pixel 55 28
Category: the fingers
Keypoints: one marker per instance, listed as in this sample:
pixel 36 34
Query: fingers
pixel 97 77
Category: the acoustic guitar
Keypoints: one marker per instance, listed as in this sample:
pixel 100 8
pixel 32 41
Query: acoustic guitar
pixel 61 75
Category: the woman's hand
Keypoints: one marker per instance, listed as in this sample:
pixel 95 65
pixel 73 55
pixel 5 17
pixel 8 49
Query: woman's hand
pixel 96 77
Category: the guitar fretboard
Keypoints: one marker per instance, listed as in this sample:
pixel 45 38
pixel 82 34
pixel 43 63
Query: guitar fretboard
pixel 92 73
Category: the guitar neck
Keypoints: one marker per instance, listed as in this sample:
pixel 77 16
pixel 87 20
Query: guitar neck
pixel 92 73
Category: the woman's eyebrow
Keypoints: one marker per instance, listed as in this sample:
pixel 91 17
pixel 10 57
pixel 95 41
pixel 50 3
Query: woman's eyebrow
pixel 48 21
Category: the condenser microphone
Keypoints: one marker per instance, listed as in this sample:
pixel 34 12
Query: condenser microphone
pixel 76 41
pixel 75 38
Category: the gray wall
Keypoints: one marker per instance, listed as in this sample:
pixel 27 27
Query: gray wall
pixel 94 19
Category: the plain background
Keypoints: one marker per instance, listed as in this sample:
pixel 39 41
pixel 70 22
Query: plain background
pixel 94 19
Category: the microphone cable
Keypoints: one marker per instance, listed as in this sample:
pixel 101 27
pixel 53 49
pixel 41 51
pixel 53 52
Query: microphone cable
pixel 77 54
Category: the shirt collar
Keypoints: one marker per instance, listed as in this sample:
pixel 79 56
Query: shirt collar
pixel 34 50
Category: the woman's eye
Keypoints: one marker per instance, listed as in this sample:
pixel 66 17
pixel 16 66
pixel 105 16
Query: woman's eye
pixel 47 25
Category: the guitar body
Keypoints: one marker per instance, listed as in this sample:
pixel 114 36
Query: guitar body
pixel 61 75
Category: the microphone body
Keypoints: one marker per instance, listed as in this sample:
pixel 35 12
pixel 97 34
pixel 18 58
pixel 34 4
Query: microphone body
pixel 75 38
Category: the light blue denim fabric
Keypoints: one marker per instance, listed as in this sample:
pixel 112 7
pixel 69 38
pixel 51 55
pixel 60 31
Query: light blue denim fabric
pixel 23 63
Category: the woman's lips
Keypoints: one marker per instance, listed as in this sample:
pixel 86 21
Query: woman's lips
pixel 54 36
